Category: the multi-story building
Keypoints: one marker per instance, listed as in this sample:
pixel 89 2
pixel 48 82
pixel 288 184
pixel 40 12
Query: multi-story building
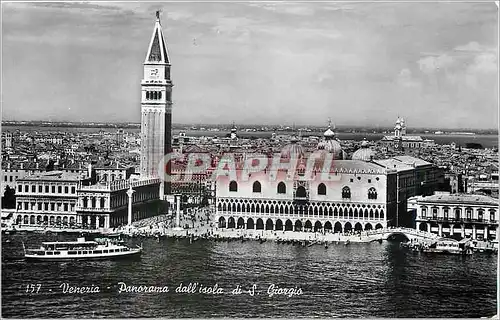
pixel 413 177
pixel 104 205
pixel 59 198
pixel 400 140
pixel 457 215
pixel 354 197
pixel 47 198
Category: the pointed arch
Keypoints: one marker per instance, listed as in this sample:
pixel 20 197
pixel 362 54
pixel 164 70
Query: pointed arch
pixel 346 192
pixel 256 187
pixel 358 227
pixel 231 224
pixel 233 186
pixel 322 189
pixel 281 189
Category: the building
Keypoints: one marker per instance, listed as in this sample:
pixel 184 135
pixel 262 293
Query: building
pixel 457 215
pixel 354 198
pixel 47 198
pixel 400 140
pixel 413 177
pixel 112 172
pixel 156 106
pixel 59 199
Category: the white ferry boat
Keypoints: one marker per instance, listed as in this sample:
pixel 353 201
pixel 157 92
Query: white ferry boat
pixel 450 246
pixel 80 249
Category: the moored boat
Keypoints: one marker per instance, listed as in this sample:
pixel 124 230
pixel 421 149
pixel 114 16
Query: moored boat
pixel 80 249
pixel 450 246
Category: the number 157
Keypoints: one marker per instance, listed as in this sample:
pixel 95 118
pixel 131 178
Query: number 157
pixel 33 288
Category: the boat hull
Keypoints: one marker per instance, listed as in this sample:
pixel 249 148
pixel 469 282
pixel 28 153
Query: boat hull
pixel 120 255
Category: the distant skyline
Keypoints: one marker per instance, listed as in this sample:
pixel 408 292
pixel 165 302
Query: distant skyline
pixel 361 64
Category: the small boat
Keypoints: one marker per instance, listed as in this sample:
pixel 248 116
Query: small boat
pixel 347 242
pixel 80 249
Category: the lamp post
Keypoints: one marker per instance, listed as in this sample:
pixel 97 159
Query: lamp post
pixel 130 192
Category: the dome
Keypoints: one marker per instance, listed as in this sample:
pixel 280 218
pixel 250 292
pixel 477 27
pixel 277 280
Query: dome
pixel 292 150
pixel 331 146
pixel 398 121
pixel 364 153
pixel 329 133
pixel 397 127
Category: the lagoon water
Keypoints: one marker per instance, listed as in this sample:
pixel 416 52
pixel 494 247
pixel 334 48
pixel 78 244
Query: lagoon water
pixel 358 280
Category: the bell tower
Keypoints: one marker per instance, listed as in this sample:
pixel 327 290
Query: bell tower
pixel 156 108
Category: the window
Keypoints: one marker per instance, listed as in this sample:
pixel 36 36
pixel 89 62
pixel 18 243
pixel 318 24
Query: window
pixel 281 188
pixel 73 190
pixel 322 189
pixel 26 206
pixel 65 207
pixel 66 189
pixel 346 193
pixel 492 215
pixel 369 180
pixel 26 188
pixel 480 214
pixel 40 189
pixel 52 206
pixel 53 189
pixel 351 180
pixel 233 186
pixel 5 178
pixel 372 193
pixel 10 178
pixel 46 189
pixel 20 188
pixel 434 213
pixel 33 188
pixel 256 187
pixel 424 212
pixel 59 189
pixel 446 213
pixel 39 206
pixel 46 206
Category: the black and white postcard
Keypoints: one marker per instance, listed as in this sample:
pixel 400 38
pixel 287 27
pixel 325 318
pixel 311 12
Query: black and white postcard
pixel 249 159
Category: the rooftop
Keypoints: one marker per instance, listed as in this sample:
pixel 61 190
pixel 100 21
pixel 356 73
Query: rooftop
pixel 53 176
pixel 459 198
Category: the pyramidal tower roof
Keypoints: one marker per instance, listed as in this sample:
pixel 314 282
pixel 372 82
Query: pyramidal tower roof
pixel 157 50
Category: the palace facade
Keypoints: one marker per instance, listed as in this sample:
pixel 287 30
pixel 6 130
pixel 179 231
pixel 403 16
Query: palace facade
pixel 457 215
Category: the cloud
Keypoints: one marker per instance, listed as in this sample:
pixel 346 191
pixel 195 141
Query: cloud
pixel 432 64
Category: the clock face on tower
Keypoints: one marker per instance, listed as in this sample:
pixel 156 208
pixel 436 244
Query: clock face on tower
pixel 154 72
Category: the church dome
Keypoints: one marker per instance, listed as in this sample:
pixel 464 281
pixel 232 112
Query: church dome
pixel 292 151
pixel 364 153
pixel 329 133
pixel 331 146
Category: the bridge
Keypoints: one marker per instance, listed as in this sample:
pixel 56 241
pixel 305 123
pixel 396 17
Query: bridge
pixel 409 233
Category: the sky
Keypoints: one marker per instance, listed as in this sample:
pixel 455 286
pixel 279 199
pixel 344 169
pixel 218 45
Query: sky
pixel 360 64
